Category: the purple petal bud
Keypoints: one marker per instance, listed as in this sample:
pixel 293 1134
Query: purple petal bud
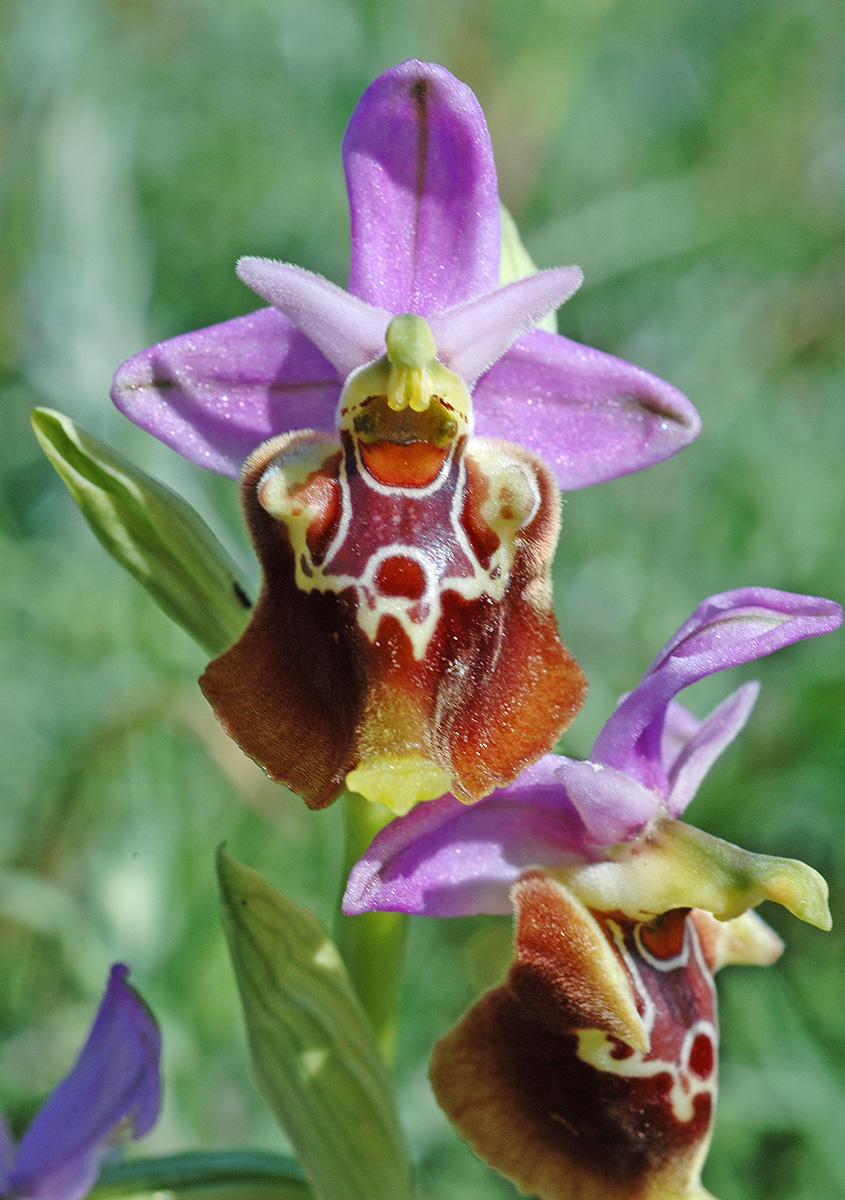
pixel 115 1079
pixel 727 629
pixel 7 1154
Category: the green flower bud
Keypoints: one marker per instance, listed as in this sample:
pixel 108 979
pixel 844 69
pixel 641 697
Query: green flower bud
pixel 151 531
pixel 313 1049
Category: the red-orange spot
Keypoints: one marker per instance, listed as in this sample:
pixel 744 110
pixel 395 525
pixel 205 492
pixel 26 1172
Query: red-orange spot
pixel 401 576
pixel 484 540
pixel 702 1057
pixel 413 465
pixel 664 937
pixel 321 493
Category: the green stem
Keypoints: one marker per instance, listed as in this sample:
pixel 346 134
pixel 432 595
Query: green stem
pixel 373 943
pixel 233 1169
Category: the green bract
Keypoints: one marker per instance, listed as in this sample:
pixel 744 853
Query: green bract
pixel 313 1050
pixel 151 531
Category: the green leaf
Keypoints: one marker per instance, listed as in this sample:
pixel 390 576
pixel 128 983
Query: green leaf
pixel 516 262
pixel 235 1170
pixel 313 1049
pixel 151 531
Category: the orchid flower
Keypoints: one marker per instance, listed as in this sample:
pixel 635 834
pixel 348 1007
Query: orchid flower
pixel 404 640
pixel 591 1072
pixel 113 1088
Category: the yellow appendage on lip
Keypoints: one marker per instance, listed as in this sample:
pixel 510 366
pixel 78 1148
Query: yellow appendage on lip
pixel 399 781
pixel 408 377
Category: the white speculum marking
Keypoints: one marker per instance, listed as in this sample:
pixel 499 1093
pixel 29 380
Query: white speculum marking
pixel 379 522
pixel 596 1047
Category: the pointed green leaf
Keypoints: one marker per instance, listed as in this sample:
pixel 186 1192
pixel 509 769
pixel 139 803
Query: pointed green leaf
pixel 313 1049
pixel 516 262
pixel 151 531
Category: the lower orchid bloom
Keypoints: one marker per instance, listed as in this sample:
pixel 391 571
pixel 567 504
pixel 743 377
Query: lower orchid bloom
pixel 590 1073
pixel 114 1089
pixel 404 641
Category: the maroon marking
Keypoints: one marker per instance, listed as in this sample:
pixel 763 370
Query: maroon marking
pixel 702 1058
pixel 400 576
pixel 511 1078
pixel 621 1050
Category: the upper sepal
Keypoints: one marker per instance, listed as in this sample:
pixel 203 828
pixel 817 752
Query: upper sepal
pixel 423 195
pixel 725 630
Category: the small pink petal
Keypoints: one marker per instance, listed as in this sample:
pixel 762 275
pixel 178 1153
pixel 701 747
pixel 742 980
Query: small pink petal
pixel 701 750
pixel 348 331
pixel 474 335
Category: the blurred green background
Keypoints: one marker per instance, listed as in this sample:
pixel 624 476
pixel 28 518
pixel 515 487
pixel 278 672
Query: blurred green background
pixel 689 155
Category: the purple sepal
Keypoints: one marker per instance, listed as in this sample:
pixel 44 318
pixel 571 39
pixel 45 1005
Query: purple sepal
pixel 115 1081
pixel 726 630
pixel 591 416
pixel 425 239
pixel 449 859
pixel 423 194
pixel 216 394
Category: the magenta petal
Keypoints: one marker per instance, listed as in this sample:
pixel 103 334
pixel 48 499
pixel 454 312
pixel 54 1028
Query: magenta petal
pixel 448 859
pixel 474 335
pixel 216 394
pixel 727 629
pixel 422 192
pixel 348 331
pixel 592 417
pixel 696 757
pixel 115 1079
